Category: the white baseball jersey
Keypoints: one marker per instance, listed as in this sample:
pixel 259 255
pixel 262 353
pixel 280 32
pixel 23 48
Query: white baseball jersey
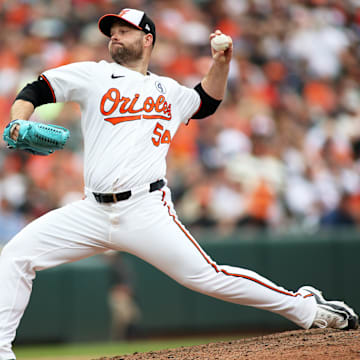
pixel 123 110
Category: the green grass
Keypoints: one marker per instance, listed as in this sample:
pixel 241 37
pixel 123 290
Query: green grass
pixel 96 350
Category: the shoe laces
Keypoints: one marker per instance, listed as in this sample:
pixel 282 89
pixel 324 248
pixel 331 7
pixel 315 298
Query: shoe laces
pixel 326 317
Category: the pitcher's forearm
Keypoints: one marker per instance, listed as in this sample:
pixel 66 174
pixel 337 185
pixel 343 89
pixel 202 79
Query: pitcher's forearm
pixel 21 109
pixel 214 83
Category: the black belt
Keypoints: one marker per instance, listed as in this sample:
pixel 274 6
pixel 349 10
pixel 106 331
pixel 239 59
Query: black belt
pixel 110 198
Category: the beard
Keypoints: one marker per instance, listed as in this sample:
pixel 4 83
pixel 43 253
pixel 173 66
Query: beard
pixel 123 55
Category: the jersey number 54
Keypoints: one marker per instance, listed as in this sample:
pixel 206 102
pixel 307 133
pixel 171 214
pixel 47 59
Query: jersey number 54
pixel 161 135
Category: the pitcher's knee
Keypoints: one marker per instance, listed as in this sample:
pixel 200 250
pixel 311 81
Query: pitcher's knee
pixel 205 282
pixel 18 264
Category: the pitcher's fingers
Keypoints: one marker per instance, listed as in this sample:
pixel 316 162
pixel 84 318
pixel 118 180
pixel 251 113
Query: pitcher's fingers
pixel 14 132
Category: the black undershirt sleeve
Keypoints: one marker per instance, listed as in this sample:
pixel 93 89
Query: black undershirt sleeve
pixel 208 104
pixel 37 92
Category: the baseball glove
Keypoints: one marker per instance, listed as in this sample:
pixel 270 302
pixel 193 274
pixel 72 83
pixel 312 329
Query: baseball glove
pixel 36 138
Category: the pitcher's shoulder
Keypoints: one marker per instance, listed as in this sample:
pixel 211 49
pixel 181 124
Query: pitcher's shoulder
pixel 98 69
pixel 165 83
pixel 162 78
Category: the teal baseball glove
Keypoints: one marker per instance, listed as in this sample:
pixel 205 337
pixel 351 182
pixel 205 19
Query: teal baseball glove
pixel 36 138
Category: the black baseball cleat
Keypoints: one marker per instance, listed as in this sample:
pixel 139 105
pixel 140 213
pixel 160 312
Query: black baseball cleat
pixel 332 314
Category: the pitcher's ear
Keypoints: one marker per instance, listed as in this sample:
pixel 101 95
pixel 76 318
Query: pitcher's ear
pixel 148 40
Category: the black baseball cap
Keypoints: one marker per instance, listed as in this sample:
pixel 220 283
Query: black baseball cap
pixel 136 18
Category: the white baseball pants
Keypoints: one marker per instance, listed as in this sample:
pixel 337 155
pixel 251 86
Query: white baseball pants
pixel 145 225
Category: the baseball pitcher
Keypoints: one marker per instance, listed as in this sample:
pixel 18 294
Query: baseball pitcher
pixel 129 118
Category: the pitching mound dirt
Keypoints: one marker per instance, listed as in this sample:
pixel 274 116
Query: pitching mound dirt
pixel 319 344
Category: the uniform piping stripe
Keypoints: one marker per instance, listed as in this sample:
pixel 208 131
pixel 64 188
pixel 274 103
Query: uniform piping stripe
pixel 308 295
pixel 50 87
pixel 214 265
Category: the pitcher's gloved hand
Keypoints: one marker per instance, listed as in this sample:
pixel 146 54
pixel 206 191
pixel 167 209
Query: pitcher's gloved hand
pixel 36 138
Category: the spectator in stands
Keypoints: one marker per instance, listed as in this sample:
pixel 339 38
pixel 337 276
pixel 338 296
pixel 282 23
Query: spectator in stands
pixel 11 221
pixel 124 310
pixel 340 216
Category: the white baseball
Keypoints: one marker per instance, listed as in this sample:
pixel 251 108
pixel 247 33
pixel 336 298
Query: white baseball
pixel 220 42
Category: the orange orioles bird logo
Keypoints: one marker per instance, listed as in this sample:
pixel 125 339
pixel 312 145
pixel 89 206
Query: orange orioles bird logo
pixel 123 12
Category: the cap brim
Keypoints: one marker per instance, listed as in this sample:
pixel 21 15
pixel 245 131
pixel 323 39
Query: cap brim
pixel 107 20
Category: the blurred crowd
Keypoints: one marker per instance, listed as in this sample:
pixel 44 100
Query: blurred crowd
pixel 281 152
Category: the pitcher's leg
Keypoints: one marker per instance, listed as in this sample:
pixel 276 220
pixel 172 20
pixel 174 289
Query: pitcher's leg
pixel 181 258
pixel 167 245
pixel 63 235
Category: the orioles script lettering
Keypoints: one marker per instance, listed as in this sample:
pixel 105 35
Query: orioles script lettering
pixel 128 109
